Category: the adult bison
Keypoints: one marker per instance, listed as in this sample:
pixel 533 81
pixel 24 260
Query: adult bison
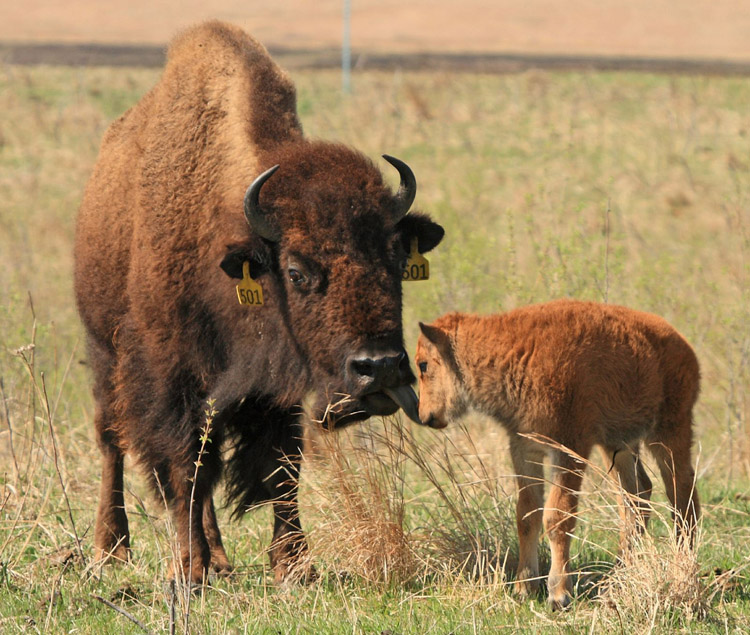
pixel 163 232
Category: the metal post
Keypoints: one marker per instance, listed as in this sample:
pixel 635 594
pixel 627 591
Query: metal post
pixel 346 52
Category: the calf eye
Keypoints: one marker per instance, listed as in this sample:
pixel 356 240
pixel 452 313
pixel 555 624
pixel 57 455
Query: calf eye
pixel 422 367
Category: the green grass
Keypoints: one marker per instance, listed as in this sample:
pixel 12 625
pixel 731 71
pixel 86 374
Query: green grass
pixel 629 188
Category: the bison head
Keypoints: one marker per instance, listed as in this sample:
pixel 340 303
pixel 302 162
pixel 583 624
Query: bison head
pixel 335 241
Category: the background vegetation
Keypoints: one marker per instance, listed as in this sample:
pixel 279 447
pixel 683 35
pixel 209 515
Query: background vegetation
pixel 632 189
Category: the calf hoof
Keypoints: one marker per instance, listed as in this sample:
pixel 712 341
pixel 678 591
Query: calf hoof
pixel 526 588
pixel 560 602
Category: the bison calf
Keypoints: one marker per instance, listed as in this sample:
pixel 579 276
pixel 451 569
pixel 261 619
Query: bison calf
pixel 580 374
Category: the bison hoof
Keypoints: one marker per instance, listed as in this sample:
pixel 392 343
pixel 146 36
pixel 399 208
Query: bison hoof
pixel 178 584
pixel 118 554
pixel 299 573
pixel 222 568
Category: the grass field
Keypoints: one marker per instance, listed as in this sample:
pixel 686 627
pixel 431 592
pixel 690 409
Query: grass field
pixel 634 189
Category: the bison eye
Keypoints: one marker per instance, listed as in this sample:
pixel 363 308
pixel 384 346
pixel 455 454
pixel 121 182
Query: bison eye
pixel 422 367
pixel 296 277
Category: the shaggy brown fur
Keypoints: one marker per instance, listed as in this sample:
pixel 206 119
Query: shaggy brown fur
pixel 161 217
pixel 581 374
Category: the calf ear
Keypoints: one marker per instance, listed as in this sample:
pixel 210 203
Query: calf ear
pixel 236 255
pixel 420 226
pixel 439 338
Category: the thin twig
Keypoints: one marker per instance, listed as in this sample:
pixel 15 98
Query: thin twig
pixel 65 377
pixel 606 255
pixel 31 403
pixel 52 601
pixel 122 611
pixel 205 438
pixel 10 429
pixel 57 468
pixel 172 603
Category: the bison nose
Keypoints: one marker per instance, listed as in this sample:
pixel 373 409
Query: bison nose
pixel 373 372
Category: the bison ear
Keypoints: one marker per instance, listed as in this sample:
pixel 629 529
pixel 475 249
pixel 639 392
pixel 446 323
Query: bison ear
pixel 427 232
pixel 439 338
pixel 237 255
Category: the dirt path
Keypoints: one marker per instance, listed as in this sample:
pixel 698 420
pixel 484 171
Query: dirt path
pixel 145 55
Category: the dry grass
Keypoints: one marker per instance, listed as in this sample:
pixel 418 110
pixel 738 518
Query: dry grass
pixel 656 580
pixel 470 537
pixel 359 497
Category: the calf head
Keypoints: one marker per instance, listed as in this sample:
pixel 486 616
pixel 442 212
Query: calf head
pixel 336 239
pixel 441 398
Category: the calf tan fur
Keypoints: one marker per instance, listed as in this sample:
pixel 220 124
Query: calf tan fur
pixel 581 374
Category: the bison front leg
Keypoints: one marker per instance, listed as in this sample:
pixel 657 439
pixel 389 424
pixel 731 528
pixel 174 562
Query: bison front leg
pixel 219 561
pixel 288 550
pixel 189 494
pixel 195 554
pixel 264 467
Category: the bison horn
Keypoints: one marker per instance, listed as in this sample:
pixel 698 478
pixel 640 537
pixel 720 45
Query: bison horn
pixel 408 188
pixel 253 213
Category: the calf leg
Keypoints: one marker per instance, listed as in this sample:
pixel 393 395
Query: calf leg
pixel 528 465
pixel 559 523
pixel 636 486
pixel 675 465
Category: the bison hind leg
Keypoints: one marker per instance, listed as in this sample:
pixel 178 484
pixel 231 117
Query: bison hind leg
pixel 671 443
pixel 111 533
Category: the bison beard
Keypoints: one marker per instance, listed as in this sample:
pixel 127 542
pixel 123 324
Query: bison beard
pixel 209 171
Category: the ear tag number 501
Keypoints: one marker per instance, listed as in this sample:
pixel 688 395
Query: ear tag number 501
pixel 249 292
pixel 417 266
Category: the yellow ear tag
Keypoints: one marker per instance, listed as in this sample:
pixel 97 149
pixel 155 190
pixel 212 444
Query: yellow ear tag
pixel 417 266
pixel 249 292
